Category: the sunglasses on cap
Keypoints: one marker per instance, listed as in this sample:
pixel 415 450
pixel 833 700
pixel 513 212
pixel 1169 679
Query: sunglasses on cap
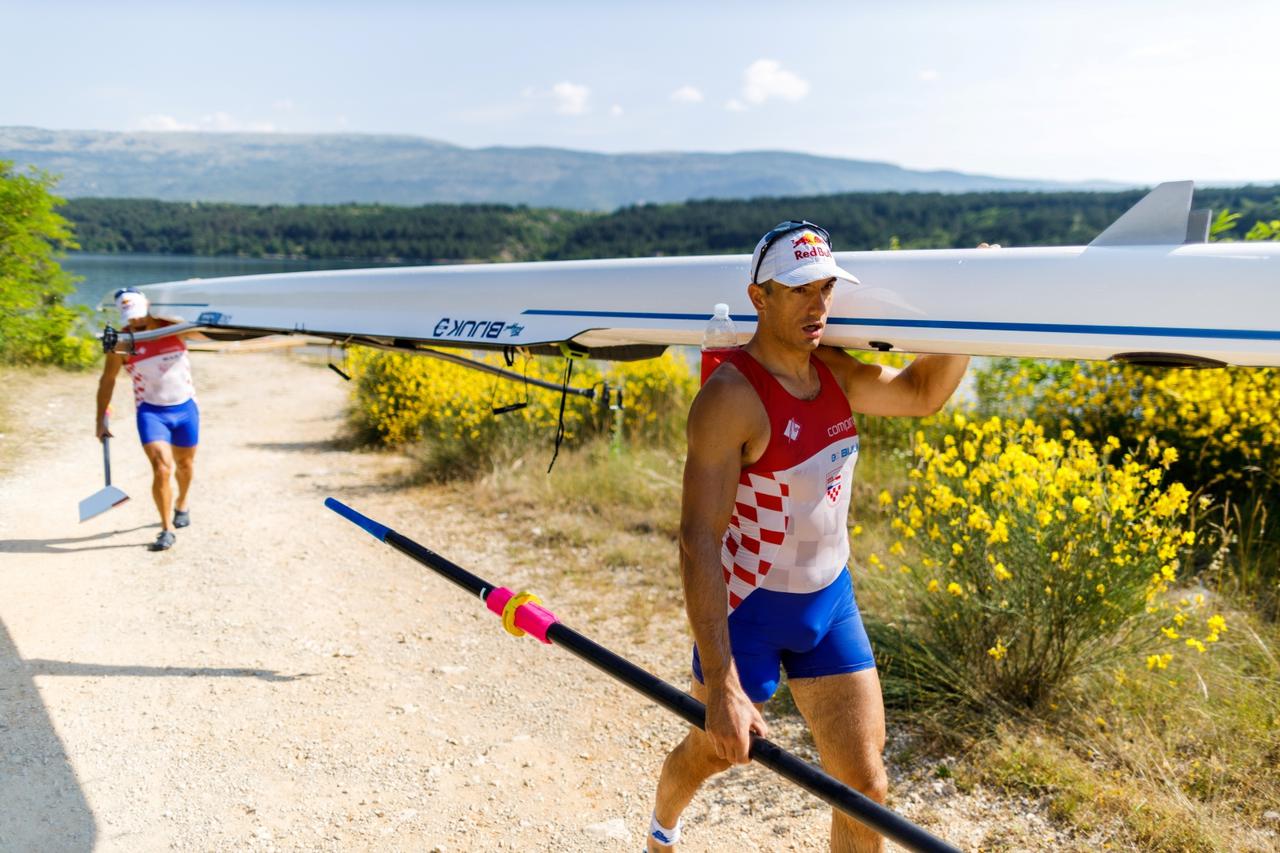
pixel 779 231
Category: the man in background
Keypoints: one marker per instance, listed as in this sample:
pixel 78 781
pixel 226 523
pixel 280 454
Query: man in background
pixel 167 415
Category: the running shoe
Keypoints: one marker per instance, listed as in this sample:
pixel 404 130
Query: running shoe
pixel 163 542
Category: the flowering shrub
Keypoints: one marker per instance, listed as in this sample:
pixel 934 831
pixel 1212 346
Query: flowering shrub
pixel 1224 426
pixel 1021 560
pixel 401 398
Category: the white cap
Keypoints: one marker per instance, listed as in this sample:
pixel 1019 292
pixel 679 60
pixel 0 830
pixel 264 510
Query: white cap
pixel 796 257
pixel 132 305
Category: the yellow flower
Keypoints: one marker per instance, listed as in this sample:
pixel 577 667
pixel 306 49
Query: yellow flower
pixel 1195 644
pixel 1158 661
pixel 1002 573
pixel 933 586
pixel 1217 624
pixel 885 498
pixel 999 650
pixel 955 588
pixel 1080 504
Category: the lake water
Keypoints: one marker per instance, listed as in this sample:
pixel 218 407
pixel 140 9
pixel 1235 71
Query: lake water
pixel 104 274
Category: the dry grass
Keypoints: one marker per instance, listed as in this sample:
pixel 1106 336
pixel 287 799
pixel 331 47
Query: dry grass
pixel 1186 761
pixel 608 522
pixel 1180 760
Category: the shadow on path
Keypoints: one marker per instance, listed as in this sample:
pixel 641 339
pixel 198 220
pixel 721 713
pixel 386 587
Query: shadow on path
pixel 38 666
pixel 328 444
pixel 50 546
pixel 42 806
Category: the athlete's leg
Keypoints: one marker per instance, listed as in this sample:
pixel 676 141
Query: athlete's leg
pixel 845 713
pixel 184 460
pixel 185 436
pixel 160 454
pixel 691 763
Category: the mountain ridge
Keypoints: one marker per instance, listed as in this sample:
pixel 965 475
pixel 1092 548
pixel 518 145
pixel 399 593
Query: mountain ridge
pixel 298 168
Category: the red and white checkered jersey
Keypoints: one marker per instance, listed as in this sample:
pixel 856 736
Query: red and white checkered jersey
pixel 788 531
pixel 161 372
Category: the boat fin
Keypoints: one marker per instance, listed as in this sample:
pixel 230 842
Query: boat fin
pixel 1161 218
pixel 1198 225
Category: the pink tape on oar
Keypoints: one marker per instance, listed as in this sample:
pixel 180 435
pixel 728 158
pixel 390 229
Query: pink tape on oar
pixel 521 613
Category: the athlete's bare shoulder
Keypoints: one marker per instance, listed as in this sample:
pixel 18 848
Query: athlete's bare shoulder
pixel 727 412
pixel 847 369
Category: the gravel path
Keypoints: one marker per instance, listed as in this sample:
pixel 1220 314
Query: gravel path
pixel 280 681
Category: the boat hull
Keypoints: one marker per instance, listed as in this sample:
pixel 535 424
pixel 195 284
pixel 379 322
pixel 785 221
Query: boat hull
pixel 1198 303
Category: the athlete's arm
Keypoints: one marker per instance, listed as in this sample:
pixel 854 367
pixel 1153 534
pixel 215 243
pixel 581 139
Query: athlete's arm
pixel 106 386
pixel 921 388
pixel 192 335
pixel 720 426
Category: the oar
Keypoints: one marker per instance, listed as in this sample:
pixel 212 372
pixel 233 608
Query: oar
pixel 522 613
pixel 109 496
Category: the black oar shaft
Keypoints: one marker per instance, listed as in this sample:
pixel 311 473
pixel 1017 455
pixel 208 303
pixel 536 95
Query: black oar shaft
pixel 827 788
pixel 823 786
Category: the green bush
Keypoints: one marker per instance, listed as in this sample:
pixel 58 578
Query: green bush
pixel 36 325
pixel 448 410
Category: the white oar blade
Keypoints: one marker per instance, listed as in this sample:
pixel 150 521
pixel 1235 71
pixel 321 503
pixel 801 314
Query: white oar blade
pixel 101 501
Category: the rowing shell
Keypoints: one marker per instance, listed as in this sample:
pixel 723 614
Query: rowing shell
pixel 1146 290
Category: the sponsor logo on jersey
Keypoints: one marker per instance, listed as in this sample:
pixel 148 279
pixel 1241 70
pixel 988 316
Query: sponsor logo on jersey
pixel 792 430
pixel 837 428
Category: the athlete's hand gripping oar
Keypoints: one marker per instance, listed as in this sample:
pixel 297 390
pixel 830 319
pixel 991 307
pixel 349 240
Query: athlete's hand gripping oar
pixel 522 613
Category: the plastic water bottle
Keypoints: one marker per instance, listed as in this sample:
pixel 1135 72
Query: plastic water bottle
pixel 719 339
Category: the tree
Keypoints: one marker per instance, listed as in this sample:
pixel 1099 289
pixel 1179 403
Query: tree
pixel 36 324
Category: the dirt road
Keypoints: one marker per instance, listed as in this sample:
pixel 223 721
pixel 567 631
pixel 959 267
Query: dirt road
pixel 279 680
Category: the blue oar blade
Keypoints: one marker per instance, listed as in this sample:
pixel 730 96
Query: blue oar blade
pixel 378 531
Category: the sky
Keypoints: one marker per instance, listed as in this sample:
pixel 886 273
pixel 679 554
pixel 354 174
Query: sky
pixel 1137 92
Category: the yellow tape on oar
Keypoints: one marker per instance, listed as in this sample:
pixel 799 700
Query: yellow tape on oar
pixel 510 608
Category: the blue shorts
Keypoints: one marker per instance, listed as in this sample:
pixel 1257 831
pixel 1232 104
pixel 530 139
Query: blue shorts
pixel 178 425
pixel 810 633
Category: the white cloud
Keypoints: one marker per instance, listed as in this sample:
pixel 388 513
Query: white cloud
pixel 766 78
pixel 1164 49
pixel 733 105
pixel 571 98
pixel 162 122
pixel 615 110
pixel 218 121
pixel 927 75
pixel 687 95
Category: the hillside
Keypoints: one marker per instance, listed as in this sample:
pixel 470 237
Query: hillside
pixel 279 168
pixel 492 232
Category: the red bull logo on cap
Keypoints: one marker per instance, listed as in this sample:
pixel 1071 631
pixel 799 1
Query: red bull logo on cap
pixel 810 245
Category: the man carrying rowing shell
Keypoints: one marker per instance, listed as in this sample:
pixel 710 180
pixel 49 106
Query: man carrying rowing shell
pixel 764 543
pixel 167 416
